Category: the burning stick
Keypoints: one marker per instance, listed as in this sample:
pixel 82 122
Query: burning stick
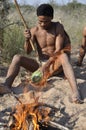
pixel 12 94
pixel 24 22
pixel 56 125
pixel 26 113
pixel 28 116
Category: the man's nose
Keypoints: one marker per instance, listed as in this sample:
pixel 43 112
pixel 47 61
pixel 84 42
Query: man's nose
pixel 42 24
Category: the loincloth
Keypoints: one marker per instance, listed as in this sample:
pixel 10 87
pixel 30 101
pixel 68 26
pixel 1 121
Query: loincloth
pixel 51 67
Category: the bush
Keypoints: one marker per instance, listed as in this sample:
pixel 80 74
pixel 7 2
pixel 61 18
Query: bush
pixel 13 42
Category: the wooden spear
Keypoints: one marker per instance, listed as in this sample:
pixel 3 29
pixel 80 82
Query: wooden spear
pixel 24 22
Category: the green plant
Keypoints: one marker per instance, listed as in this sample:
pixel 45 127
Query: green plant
pixel 13 42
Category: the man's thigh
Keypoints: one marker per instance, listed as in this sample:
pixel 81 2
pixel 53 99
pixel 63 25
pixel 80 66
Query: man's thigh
pixel 29 64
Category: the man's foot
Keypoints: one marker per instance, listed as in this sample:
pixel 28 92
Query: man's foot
pixel 76 99
pixel 4 89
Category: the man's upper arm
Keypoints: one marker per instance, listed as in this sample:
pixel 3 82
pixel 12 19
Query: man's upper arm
pixel 59 37
pixel 33 34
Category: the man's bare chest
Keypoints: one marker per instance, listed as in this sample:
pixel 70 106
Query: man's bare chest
pixel 45 38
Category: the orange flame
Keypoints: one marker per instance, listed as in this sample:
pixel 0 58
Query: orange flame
pixel 25 113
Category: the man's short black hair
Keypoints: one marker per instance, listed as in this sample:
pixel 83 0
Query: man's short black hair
pixel 45 10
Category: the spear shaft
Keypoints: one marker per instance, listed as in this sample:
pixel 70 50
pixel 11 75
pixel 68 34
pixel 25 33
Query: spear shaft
pixel 24 22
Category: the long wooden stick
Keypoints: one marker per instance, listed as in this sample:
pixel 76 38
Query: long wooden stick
pixel 56 125
pixel 24 22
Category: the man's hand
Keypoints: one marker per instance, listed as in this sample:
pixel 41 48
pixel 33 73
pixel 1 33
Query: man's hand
pixel 46 66
pixel 27 34
pixel 28 45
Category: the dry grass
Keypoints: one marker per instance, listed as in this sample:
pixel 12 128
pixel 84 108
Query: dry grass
pixel 72 17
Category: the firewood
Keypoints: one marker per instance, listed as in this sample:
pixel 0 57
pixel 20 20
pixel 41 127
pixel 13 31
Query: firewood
pixel 56 125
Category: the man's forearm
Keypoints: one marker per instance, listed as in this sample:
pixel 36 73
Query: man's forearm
pixel 27 46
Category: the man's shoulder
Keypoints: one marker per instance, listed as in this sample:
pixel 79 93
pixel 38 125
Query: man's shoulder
pixel 34 29
pixel 57 23
pixel 59 27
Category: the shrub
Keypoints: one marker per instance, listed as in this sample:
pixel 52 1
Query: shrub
pixel 13 42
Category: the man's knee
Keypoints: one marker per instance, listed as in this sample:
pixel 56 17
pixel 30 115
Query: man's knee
pixel 17 58
pixel 64 58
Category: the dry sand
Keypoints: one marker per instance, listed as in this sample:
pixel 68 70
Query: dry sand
pixel 58 94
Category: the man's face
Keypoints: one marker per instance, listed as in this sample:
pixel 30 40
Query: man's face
pixel 44 21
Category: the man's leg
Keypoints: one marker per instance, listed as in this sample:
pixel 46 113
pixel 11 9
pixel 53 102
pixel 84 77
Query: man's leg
pixel 17 62
pixel 82 52
pixel 69 73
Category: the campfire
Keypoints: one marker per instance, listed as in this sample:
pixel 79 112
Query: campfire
pixel 34 116
pixel 29 116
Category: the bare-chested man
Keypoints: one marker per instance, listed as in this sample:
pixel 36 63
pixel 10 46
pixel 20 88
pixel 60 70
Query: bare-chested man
pixel 50 38
pixel 82 50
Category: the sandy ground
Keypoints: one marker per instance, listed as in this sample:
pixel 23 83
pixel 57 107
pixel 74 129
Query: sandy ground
pixel 58 94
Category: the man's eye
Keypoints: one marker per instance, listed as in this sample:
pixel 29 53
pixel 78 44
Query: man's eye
pixel 40 22
pixel 43 21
